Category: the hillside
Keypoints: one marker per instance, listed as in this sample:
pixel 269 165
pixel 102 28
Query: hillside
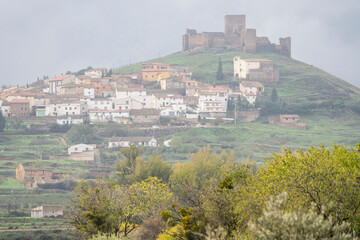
pixel 297 79
pixel 299 83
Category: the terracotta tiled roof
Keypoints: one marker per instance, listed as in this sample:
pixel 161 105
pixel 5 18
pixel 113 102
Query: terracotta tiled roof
pixel 58 78
pixel 145 111
pixel 20 101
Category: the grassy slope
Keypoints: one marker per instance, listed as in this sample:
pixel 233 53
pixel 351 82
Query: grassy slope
pixel 259 140
pixel 296 78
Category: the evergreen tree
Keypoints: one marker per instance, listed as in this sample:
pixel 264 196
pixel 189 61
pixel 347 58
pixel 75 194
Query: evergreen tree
pixel 109 73
pixel 2 122
pixel 274 95
pixel 219 74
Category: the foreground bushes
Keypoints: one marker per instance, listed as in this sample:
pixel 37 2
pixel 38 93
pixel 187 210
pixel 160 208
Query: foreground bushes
pixel 312 194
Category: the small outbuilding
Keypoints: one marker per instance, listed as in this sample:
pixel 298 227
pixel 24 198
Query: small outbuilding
pixel 47 211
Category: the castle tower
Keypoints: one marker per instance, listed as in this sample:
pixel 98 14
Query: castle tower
pixel 285 44
pixel 234 24
pixel 185 42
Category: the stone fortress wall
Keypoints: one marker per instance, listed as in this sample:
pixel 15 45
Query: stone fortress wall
pixel 235 36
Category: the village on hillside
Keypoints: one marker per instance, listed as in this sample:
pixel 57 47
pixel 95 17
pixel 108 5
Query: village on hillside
pixel 103 130
pixel 142 99
pixel 159 96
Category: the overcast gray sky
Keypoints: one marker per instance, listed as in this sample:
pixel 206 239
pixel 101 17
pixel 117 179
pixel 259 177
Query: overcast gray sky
pixel 50 37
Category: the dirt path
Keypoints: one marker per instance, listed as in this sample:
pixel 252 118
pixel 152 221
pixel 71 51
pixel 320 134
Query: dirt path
pixel 63 141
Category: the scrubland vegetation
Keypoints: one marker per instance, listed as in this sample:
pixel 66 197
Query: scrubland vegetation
pixel 302 194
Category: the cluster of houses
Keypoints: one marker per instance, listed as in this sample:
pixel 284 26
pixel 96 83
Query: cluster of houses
pixel 159 90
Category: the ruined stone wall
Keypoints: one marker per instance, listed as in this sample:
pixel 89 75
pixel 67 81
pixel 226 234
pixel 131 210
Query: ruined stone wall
pixel 20 173
pixel 199 40
pixel 235 36
pixel 248 116
pixel 52 211
pixel 264 75
pixel 88 156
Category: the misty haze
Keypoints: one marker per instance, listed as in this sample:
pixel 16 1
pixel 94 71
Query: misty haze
pixel 169 120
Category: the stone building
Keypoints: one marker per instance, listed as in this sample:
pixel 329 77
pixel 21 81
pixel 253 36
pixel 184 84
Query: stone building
pixel 287 120
pixel 145 116
pixel 261 70
pixel 19 108
pixel 47 211
pixel 235 36
pixel 32 177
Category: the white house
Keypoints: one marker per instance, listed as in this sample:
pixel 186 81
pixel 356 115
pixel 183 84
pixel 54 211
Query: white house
pixel 100 103
pixel 213 99
pixel 126 141
pixel 80 148
pixel 251 90
pixel 130 92
pixel 66 109
pixel 161 101
pixel 108 115
pixel 89 91
pixel 255 69
pixel 176 110
pixel 69 121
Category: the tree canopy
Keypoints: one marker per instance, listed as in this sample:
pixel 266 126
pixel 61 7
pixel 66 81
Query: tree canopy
pixel 302 194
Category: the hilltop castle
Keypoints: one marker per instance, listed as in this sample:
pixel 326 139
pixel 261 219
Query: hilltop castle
pixel 236 36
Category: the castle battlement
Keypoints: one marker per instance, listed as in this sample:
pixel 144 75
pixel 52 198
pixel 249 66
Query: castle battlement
pixel 235 36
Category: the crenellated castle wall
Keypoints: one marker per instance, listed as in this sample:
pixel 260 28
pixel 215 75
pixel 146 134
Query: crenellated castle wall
pixel 235 36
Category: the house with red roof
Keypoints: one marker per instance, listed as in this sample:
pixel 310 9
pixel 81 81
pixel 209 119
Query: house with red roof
pixel 54 82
